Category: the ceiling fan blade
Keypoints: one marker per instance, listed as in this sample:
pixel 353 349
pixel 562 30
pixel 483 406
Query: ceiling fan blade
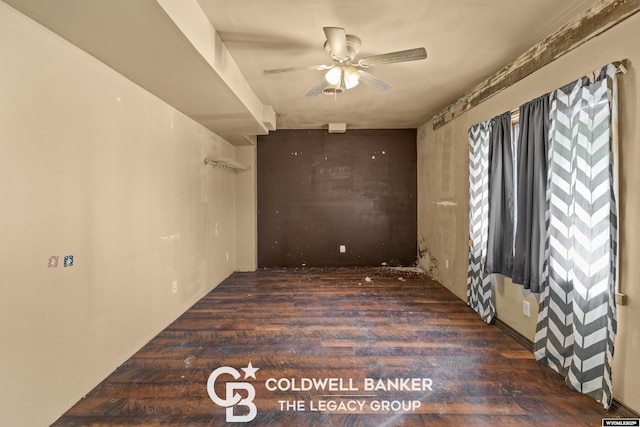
pixel 337 39
pixel 317 90
pixel 301 68
pixel 373 81
pixel 391 57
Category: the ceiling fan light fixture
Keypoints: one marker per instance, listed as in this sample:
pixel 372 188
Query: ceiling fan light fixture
pixel 333 76
pixel 351 77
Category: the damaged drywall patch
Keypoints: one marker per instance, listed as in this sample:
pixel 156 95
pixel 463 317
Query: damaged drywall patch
pixel 445 203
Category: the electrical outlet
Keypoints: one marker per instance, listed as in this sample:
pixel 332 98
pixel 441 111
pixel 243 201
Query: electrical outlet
pixel 174 286
pixel 526 309
pixel 446 264
pixel 343 249
pixel 226 256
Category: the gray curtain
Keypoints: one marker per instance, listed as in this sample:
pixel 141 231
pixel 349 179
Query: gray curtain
pixel 479 290
pixel 500 238
pixel 577 317
pixel 531 194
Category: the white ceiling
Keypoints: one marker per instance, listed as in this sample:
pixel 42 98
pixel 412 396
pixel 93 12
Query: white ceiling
pixel 170 48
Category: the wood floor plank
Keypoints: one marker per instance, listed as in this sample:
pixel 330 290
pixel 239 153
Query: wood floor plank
pixel 333 323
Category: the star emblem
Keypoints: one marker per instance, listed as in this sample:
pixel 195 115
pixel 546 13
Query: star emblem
pixel 249 371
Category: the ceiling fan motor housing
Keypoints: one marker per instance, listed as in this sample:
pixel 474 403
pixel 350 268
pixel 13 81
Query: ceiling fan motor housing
pixel 353 47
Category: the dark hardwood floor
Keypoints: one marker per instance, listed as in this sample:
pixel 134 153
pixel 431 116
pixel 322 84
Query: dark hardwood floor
pixel 299 325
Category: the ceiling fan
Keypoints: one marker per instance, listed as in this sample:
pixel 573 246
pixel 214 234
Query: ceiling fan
pixel 346 73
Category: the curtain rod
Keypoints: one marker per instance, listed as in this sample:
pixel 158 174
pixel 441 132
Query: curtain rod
pixel 621 68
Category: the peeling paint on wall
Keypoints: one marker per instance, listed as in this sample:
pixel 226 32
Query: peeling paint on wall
pixel 428 263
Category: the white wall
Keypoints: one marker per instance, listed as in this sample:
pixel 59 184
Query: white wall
pixel 93 166
pixel 443 191
pixel 247 209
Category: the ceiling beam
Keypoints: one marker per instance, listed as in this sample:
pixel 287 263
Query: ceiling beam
pixel 588 25
pixel 194 24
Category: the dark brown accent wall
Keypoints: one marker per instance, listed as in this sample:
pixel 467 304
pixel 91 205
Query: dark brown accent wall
pixel 317 191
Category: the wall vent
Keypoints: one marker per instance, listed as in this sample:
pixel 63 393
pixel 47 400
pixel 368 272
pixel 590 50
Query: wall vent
pixel 337 127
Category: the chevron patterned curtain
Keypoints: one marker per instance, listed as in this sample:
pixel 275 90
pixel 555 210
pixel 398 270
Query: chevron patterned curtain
pixel 577 317
pixel 479 291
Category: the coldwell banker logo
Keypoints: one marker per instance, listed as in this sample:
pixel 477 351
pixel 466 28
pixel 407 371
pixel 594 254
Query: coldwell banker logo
pixel 232 398
pixel 333 395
